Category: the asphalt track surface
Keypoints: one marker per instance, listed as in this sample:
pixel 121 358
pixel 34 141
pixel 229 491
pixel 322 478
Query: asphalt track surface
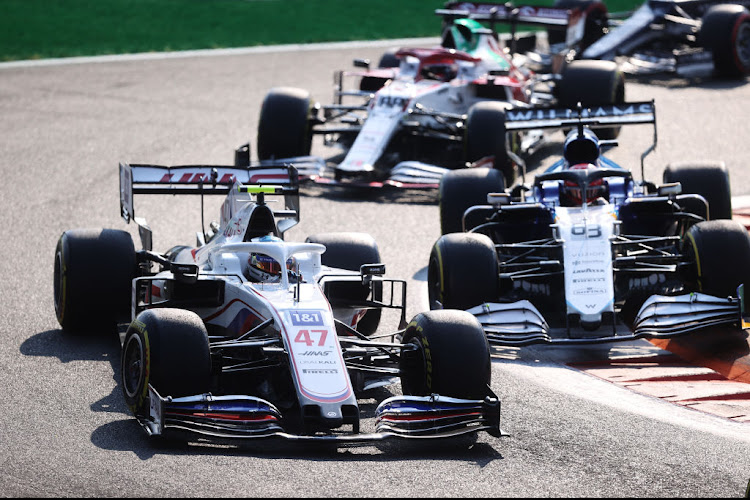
pixel 64 427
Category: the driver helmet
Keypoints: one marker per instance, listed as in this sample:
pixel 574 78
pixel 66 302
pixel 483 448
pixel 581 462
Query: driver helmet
pixel 264 268
pixel 462 35
pixel 581 146
pixel 596 189
pixel 443 72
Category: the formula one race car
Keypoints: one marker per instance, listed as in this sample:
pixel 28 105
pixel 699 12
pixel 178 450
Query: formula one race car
pixel 424 111
pixel 247 335
pixel 587 253
pixel 662 36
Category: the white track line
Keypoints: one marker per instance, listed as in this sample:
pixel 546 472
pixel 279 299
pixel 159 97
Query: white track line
pixel 149 56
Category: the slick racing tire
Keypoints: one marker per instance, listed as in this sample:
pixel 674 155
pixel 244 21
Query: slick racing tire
pixel 284 126
pixel 449 356
pixel 725 30
pixel 350 251
pixel 708 179
pixel 372 83
pixel 485 136
pixel 167 348
pixel 592 83
pixel 719 254
pixel 93 279
pixel 596 26
pixel 462 271
pixel 462 189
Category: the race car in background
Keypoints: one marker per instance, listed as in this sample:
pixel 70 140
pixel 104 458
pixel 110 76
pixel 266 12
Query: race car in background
pixel 662 36
pixel 427 111
pixel 587 252
pixel 246 335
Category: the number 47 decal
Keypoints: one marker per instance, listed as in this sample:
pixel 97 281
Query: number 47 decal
pixel 304 337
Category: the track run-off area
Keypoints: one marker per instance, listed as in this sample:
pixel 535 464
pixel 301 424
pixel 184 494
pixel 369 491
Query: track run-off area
pixel 656 419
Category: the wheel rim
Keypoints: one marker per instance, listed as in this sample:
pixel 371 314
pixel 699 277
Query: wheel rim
pixel 133 366
pixel 742 44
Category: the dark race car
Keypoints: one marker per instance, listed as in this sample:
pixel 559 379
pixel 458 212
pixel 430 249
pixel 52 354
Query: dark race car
pixel 662 36
pixel 246 335
pixel 588 252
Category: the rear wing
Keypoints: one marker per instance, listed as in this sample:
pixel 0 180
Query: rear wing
pixel 506 12
pixel 573 19
pixel 606 115
pixel 280 179
pixel 602 116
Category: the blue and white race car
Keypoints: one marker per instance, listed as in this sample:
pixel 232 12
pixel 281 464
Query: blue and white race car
pixel 246 335
pixel 587 252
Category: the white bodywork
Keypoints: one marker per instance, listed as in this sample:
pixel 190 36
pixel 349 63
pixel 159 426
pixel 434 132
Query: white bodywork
pixel 413 99
pixel 586 234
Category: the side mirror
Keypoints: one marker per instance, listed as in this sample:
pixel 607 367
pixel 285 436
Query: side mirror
pixel 498 198
pixel 670 189
pixel 369 270
pixel 185 273
pixel 242 156
pixel 362 63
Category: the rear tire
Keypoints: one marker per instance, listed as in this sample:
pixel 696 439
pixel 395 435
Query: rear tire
pixel 725 30
pixel 592 83
pixel 464 188
pixel 452 356
pixel 485 136
pixel 284 127
pixel 720 253
pixel 462 272
pixel 167 348
pixel 350 251
pixel 93 279
pixel 708 179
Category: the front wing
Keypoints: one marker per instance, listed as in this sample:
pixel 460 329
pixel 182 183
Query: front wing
pixel 238 417
pixel 520 323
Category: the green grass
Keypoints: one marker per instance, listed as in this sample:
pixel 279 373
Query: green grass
pixel 34 29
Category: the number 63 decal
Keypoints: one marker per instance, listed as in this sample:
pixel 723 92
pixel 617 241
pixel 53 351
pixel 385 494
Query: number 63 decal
pixel 590 231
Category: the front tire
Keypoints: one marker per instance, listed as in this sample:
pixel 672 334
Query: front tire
pixel 167 348
pixel 284 126
pixel 93 279
pixel 350 251
pixel 451 356
pixel 719 254
pixel 462 272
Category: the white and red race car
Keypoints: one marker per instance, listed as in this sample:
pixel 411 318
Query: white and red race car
pixel 246 335
pixel 422 112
